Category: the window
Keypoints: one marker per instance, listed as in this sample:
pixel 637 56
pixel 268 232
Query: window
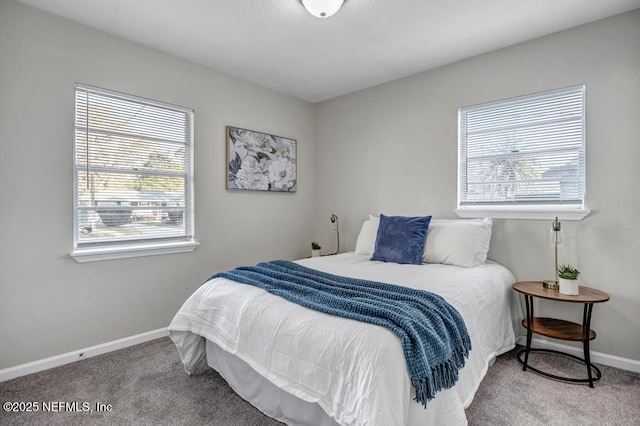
pixel 523 157
pixel 133 176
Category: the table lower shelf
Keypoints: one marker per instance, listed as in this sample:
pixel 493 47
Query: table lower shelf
pixel 559 329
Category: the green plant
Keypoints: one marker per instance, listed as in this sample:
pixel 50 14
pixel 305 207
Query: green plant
pixel 568 272
pixel 315 246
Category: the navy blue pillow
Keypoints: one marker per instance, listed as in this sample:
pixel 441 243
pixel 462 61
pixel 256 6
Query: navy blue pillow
pixel 401 239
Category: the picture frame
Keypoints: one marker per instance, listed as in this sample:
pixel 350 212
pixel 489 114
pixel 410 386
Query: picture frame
pixel 259 161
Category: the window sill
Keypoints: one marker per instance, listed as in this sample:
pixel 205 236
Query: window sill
pixel 507 213
pixel 96 254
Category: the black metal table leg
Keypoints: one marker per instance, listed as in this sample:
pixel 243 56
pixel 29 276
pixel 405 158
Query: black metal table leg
pixel 586 326
pixel 529 307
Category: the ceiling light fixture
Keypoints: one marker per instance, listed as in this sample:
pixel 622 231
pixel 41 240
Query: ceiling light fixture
pixel 322 8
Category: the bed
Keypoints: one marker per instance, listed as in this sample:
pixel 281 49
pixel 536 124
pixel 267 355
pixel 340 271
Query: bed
pixel 301 366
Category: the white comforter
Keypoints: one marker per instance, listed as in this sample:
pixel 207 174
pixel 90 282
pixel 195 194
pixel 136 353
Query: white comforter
pixel 355 371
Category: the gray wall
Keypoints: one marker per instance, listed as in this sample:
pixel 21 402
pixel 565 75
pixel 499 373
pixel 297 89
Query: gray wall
pixel 49 304
pixel 393 149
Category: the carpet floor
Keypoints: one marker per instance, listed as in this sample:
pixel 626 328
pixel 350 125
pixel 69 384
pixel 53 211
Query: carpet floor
pixel 146 385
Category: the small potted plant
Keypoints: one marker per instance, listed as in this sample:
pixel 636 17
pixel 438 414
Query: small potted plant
pixel 567 276
pixel 315 249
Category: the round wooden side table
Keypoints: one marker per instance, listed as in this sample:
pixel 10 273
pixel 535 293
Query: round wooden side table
pixel 560 329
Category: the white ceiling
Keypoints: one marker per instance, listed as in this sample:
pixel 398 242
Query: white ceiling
pixel 277 44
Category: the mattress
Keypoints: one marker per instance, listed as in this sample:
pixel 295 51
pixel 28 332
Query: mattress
pixel 308 367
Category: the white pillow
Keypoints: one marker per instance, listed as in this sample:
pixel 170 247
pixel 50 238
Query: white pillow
pixel 366 242
pixel 458 242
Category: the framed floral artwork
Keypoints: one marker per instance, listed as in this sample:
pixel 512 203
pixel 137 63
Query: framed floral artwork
pixel 260 162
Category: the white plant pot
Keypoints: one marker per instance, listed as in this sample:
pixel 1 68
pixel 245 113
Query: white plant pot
pixel 315 253
pixel 568 287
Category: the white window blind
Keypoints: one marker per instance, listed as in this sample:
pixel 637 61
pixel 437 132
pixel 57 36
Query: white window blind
pixel 527 151
pixel 133 171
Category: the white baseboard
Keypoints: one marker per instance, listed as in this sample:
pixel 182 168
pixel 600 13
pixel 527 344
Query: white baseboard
pixel 69 357
pixel 596 357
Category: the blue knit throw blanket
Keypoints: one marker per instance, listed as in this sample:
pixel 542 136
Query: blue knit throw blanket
pixel 433 334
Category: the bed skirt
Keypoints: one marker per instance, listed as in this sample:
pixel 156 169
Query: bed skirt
pixel 287 408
